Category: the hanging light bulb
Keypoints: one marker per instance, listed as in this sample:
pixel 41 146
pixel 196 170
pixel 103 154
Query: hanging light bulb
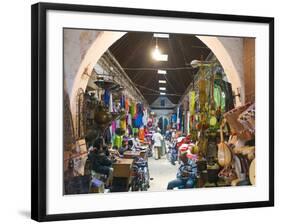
pixel 156 53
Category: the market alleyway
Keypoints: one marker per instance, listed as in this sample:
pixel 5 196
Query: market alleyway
pixel 162 172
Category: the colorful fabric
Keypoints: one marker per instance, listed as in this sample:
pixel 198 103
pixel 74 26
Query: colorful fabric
pixel 106 97
pixel 192 102
pixel 132 109
pixel 113 126
pixel 138 121
pixel 122 101
pixel 127 104
pixel 117 141
pixel 123 124
pixel 141 133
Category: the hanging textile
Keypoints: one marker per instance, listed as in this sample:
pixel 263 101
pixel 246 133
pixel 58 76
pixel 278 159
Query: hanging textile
pixel 130 130
pixel 123 124
pixel 107 136
pixel 174 118
pixel 122 101
pixel 110 107
pixel 135 131
pixel 149 122
pixel 178 119
pixel 113 126
pixel 223 95
pixel 144 118
pixel 139 109
pixel 219 100
pixel 135 110
pixel 117 124
pixel 141 134
pixel 192 102
pixel 127 104
pixel 129 119
pixel 118 141
pixel 106 97
pixel 138 121
pixel 132 109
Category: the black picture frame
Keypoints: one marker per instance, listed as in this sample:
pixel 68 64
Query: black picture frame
pixel 39 114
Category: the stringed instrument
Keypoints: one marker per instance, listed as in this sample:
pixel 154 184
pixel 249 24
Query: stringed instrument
pixel 212 113
pixel 252 172
pixel 224 153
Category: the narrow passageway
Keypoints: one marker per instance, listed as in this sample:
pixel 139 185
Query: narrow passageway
pixel 157 91
pixel 162 171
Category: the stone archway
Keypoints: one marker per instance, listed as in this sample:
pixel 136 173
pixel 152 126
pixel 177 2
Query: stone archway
pixel 102 42
pixel 229 52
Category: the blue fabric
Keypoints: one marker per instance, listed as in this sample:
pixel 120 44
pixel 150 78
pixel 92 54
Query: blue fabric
pixel 122 101
pixel 138 121
pixel 174 118
pixel 106 97
pixel 139 109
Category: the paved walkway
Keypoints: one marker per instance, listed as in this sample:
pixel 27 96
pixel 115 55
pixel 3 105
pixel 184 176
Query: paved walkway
pixel 162 171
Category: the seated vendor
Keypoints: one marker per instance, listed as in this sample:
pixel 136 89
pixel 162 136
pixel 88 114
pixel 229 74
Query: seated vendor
pixel 187 173
pixel 114 152
pixel 100 162
pixel 131 146
pixel 123 148
pixel 136 141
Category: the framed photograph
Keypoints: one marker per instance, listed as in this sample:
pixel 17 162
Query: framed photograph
pixel 139 111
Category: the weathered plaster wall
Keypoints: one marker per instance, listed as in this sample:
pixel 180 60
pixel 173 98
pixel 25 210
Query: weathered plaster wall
pixel 76 44
pixel 82 50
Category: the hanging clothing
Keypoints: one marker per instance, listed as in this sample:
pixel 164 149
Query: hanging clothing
pixel 113 126
pixel 127 104
pixel 130 130
pixel 192 102
pixel 178 119
pixel 117 141
pixel 129 119
pixel 138 121
pixel 123 124
pixel 141 134
pixel 122 101
pixel 110 107
pixel 132 109
pixel 144 118
pixel 106 97
pixel 117 124
pixel 107 136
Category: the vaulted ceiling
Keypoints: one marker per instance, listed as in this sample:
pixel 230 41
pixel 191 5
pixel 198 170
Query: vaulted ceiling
pixel 133 52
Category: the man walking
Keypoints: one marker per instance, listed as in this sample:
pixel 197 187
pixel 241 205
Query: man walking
pixel 157 138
